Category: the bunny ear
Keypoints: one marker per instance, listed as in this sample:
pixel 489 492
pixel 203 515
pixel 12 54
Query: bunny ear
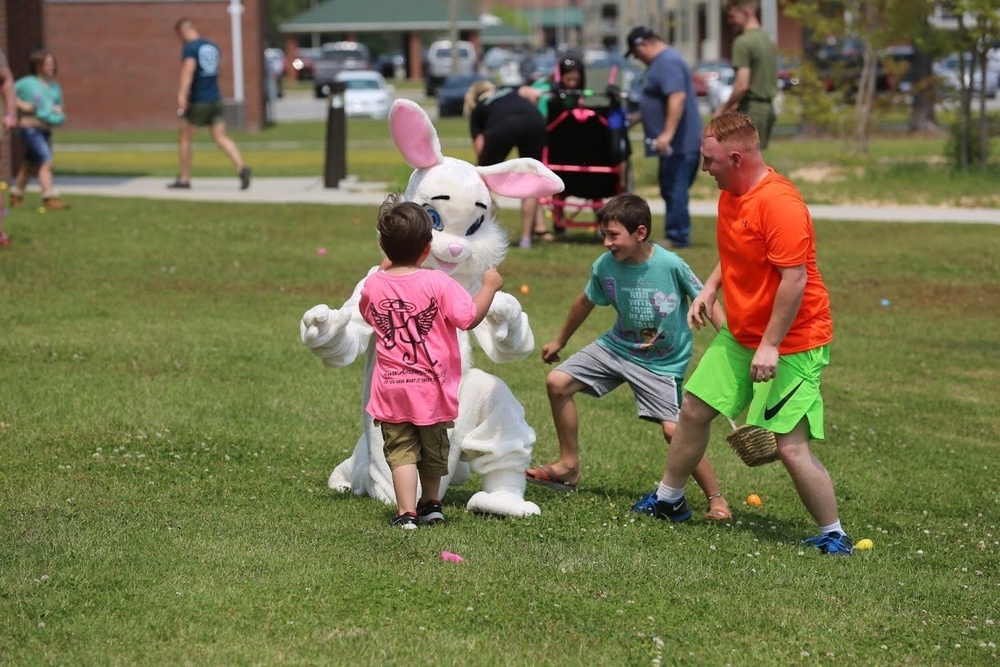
pixel 414 135
pixel 521 178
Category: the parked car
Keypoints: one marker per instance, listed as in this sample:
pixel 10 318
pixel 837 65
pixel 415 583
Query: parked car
pixel 839 61
pixel 542 65
pixel 439 62
pixel 900 62
pixel 788 72
pixel 707 71
pixel 389 64
pixel 303 62
pixel 337 57
pixel 720 87
pixel 633 93
pixel 366 94
pixel 947 70
pixel 516 70
pixel 495 57
pixel 451 93
pixel 274 65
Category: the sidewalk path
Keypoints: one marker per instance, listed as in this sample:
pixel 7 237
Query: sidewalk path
pixel 310 190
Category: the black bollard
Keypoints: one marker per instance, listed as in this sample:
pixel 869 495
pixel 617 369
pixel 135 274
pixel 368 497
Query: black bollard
pixel 335 165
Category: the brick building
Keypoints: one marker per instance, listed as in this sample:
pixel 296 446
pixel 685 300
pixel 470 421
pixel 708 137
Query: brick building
pixel 119 60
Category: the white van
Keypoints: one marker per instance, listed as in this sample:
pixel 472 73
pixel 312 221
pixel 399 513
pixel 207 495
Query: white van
pixel 440 62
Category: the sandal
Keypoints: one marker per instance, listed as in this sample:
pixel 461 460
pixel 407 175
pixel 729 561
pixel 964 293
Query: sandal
pixel 546 476
pixel 719 513
pixel 544 235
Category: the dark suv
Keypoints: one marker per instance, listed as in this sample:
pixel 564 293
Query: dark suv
pixel 336 57
pixel 839 61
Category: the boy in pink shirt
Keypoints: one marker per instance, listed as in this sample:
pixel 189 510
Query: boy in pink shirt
pixel 416 313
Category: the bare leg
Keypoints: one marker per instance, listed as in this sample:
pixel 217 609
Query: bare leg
pixel 561 388
pixel 45 179
pixel 404 483
pixel 227 145
pixel 689 442
pixel 528 208
pixel 430 488
pixel 185 135
pixel 703 474
pixel 811 479
pixel 23 176
pixel 540 226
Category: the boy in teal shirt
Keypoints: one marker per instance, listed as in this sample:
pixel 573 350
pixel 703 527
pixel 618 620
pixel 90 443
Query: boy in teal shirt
pixel 649 346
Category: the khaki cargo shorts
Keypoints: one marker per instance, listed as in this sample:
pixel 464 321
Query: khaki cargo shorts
pixel 425 446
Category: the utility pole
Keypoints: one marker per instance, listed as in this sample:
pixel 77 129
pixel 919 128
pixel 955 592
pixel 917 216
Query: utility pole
pixel 453 33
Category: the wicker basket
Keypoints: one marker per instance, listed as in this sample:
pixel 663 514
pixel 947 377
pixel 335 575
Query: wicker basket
pixel 754 445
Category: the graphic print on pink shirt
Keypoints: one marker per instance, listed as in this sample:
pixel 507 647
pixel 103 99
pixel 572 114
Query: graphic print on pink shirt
pixel 418 360
pixel 411 329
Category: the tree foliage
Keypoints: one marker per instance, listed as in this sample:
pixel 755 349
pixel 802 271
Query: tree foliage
pixel 876 26
pixel 976 32
pixel 279 11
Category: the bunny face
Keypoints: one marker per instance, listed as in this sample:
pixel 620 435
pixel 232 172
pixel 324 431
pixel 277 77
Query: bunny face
pixel 466 239
pixel 459 196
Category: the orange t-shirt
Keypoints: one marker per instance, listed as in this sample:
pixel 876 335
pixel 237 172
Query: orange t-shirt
pixel 765 228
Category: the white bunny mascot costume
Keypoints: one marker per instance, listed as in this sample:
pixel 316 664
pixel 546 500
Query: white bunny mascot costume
pixel 491 435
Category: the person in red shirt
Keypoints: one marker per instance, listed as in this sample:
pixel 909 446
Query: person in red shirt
pixel 776 342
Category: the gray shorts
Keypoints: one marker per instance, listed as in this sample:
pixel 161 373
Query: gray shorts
pixel 601 370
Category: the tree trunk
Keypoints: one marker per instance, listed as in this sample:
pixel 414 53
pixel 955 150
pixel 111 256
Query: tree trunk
pixel 865 100
pixel 984 130
pixel 923 116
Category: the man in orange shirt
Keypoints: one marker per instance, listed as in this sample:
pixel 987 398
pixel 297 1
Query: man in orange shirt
pixel 776 341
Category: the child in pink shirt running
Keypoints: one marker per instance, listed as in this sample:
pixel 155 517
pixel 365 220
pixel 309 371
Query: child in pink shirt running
pixel 416 314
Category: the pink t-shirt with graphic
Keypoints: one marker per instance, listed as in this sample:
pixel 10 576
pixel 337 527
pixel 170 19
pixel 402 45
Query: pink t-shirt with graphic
pixel 418 363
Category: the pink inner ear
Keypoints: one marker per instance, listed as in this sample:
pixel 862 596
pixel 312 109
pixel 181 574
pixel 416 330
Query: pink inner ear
pixel 515 185
pixel 414 136
pixel 520 184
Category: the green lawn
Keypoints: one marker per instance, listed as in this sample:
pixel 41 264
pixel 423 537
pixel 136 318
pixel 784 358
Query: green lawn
pixel 167 440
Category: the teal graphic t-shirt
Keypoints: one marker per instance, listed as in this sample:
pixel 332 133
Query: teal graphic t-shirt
pixel 652 301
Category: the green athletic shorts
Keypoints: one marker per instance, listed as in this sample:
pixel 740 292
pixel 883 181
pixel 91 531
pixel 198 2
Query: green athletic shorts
pixel 722 379
pixel 204 114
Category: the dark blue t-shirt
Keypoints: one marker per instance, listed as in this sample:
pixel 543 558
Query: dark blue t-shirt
pixel 205 85
pixel 668 73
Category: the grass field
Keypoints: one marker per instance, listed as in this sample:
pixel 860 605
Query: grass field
pixel 167 439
